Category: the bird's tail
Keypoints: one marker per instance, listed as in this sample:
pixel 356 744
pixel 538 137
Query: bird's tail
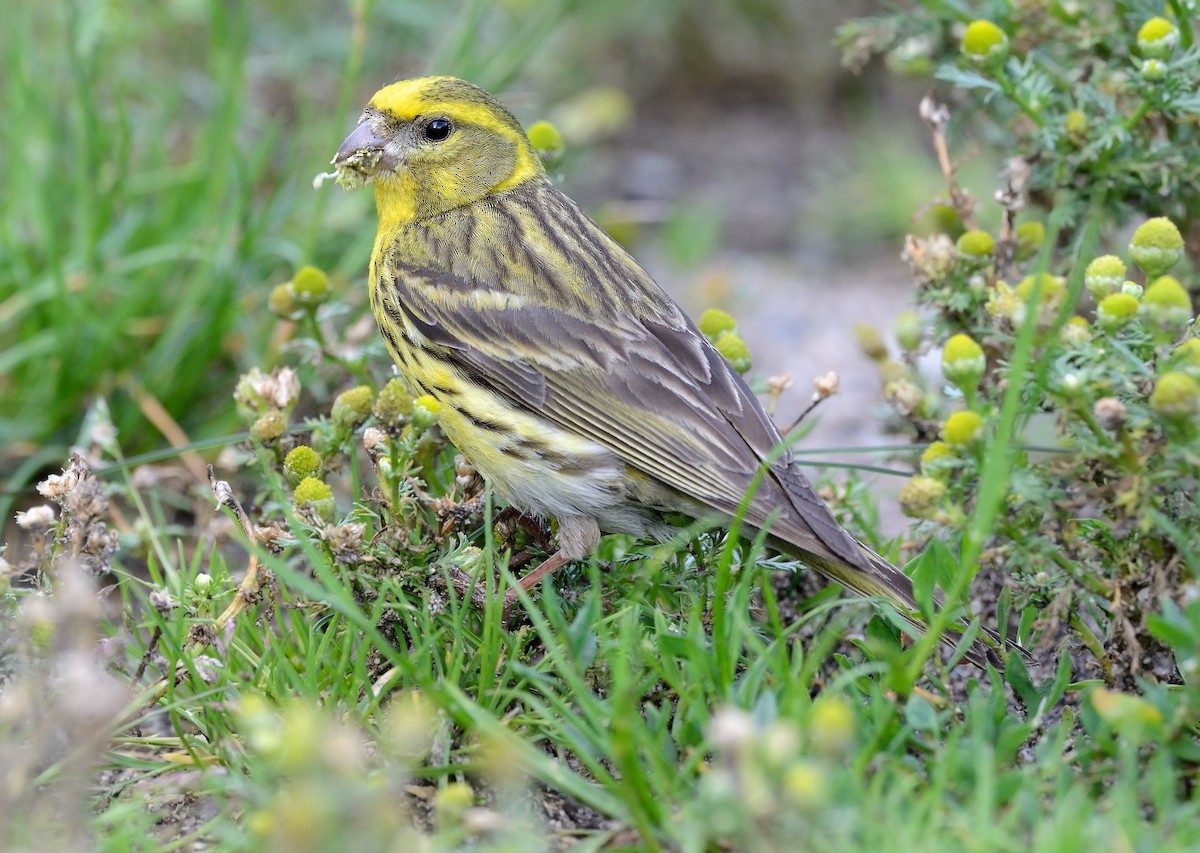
pixel 877 578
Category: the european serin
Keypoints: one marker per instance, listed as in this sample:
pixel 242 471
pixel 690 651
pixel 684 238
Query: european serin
pixel 574 384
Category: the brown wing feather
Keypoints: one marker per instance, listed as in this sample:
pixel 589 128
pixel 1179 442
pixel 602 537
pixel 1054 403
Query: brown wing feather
pixel 634 375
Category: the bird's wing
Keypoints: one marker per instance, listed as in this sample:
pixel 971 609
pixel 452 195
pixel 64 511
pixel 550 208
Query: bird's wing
pixel 653 391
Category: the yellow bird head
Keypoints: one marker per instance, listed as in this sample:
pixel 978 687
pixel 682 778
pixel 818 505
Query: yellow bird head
pixel 434 144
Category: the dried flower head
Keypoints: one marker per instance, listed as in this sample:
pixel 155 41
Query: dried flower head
pixel 825 386
pixel 258 393
pixel 1111 413
pixel 904 395
pixel 374 440
pixel 37 518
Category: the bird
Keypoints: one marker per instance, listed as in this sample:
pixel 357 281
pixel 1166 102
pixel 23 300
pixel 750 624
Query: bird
pixel 575 385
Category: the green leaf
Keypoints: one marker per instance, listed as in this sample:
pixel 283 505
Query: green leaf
pixel 920 714
pixel 932 568
pixel 965 79
pixel 1018 676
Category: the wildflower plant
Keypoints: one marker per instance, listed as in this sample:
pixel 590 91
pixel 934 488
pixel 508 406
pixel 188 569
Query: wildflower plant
pixel 1060 445
pixel 1096 99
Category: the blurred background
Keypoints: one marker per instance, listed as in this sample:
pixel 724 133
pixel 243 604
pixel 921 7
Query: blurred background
pixel 158 165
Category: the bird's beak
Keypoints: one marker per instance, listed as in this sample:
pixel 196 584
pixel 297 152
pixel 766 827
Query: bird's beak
pixel 363 152
pixel 360 141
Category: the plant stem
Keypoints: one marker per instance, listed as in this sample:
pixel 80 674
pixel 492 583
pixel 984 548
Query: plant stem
pixel 1183 20
pixel 1017 98
pixel 1137 115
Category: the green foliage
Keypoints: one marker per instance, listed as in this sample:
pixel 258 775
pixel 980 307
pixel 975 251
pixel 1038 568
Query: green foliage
pixel 1074 89
pixel 1081 500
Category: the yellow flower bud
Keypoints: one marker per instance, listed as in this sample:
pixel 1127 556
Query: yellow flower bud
pixel 1157 38
pixel 454 799
pixel 352 407
pixel 1075 332
pixel 1004 305
pixel 1104 275
pixel 1116 310
pixel 41 634
pixel 316 497
pixel 976 245
pixel 937 451
pixel 1050 291
pixel 983 41
pixel 301 462
pixel 1154 70
pixel 909 329
pixel 1122 710
pixel 426 411
pixel 1167 303
pixel 715 322
pixel 1030 238
pixel 1076 126
pixel 1187 354
pixel 311 285
pixel 962 429
pixel 963 362
pixel 282 302
pixel 394 405
pixel 731 345
pixel 1175 396
pixel 831 725
pixel 806 785
pixel 921 497
pixel 268 427
pixel 1156 246
pixel 545 138
pixel 870 342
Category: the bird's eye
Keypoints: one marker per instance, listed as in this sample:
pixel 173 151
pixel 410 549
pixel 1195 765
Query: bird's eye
pixel 437 130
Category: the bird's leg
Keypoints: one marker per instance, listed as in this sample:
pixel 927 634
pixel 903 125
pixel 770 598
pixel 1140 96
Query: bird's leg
pixel 577 537
pixel 528 581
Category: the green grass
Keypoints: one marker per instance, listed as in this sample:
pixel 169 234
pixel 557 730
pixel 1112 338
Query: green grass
pixel 669 689
pixel 158 183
